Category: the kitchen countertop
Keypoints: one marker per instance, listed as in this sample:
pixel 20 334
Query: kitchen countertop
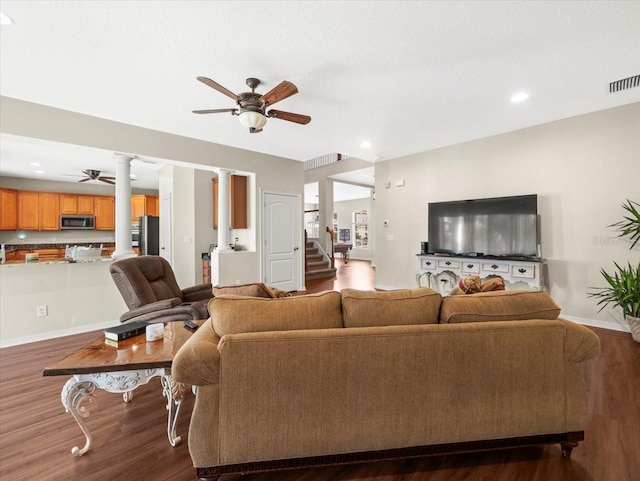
pixel 59 260
pixel 18 247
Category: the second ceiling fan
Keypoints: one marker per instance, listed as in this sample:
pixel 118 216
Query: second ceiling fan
pixel 252 106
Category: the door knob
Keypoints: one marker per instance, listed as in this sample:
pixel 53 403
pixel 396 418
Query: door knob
pixel 295 248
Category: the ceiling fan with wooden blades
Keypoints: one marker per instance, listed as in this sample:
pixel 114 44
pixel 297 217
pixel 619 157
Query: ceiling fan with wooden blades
pixel 95 175
pixel 252 107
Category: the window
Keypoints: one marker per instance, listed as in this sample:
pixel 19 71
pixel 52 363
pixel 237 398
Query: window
pixel 311 223
pixel 360 229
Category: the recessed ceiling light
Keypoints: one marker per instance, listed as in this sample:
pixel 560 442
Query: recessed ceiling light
pixel 366 144
pixel 39 171
pixel 5 20
pixel 519 97
pixel 34 164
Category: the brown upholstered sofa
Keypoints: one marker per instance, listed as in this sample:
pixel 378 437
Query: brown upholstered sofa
pixel 354 376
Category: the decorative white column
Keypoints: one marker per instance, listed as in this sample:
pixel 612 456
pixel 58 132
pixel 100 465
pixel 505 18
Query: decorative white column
pixel 123 207
pixel 325 207
pixel 224 210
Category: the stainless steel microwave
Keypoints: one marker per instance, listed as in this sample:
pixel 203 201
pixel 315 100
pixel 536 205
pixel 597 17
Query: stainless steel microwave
pixel 78 222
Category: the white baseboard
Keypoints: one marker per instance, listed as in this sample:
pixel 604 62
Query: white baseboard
pixel 43 336
pixel 596 323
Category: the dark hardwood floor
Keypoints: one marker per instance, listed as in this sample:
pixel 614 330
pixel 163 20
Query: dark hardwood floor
pixel 130 442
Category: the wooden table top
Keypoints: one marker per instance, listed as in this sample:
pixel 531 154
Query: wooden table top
pixel 131 354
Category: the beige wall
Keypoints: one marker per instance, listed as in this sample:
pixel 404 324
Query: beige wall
pixel 582 169
pixel 345 210
pixel 41 122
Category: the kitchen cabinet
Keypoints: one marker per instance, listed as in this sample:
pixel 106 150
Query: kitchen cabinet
pixel 76 204
pixel 68 204
pixel 143 205
pixel 237 200
pixel 28 210
pixel 38 210
pixel 47 253
pixel 49 211
pixel 85 205
pixel 8 209
pixel 105 212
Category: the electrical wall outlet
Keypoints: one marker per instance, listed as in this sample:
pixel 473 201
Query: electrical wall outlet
pixel 42 311
pixel 238 282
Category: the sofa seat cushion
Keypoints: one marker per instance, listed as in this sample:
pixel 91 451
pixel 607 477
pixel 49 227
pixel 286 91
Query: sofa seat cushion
pixel 511 305
pixel 390 308
pixel 231 314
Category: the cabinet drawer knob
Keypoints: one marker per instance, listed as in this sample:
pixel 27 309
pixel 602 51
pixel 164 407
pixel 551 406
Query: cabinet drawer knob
pixel 494 266
pixel 469 266
pixel 428 263
pixel 522 270
pixel 448 263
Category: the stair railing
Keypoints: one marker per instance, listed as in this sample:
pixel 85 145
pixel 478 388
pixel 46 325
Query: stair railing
pixel 330 232
pixel 306 239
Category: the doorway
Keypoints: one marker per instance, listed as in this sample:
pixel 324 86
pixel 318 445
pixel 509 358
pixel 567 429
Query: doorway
pixel 282 237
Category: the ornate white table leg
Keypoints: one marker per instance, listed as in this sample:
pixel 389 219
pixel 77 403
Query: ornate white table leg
pixel 75 397
pixel 174 392
pixel 78 391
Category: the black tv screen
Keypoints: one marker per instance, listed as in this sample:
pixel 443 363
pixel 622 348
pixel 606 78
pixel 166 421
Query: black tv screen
pixel 500 227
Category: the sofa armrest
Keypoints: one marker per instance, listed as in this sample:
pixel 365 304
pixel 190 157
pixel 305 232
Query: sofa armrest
pixel 581 343
pixel 197 362
pixel 198 293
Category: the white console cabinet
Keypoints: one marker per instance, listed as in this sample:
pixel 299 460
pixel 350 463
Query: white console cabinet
pixel 442 273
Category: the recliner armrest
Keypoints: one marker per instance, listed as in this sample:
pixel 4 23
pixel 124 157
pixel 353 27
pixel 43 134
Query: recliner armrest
pixel 151 308
pixel 198 293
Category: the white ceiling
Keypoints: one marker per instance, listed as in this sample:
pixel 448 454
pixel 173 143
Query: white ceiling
pixel 406 76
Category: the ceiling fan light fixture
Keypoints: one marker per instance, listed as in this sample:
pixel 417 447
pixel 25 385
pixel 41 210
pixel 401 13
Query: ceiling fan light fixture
pixel 252 119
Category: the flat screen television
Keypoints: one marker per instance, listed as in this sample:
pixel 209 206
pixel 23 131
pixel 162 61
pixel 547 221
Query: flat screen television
pixel 495 227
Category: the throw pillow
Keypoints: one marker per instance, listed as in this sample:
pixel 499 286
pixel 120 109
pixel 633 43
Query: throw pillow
pixel 255 289
pixel 468 285
pixel 390 308
pixel 493 284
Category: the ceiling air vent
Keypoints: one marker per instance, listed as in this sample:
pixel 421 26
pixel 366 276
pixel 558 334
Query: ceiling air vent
pixel 624 84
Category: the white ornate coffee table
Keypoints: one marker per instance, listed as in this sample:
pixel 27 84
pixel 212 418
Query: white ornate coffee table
pixel 121 370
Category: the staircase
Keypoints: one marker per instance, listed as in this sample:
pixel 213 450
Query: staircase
pixel 316 267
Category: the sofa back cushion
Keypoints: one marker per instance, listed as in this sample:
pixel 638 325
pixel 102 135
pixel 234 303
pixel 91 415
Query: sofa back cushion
pixel 499 306
pixel 232 314
pixel 390 308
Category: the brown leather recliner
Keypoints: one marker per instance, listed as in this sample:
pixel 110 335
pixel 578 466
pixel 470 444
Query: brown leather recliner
pixel 150 290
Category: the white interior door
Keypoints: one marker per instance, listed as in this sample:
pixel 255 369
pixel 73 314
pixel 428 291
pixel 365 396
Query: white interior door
pixel 282 240
pixel 165 227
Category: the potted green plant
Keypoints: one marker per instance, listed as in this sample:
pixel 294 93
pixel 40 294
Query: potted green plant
pixel 623 288
pixel 623 291
pixel 630 225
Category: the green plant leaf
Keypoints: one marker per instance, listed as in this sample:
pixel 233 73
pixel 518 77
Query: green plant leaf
pixel 623 290
pixel 630 225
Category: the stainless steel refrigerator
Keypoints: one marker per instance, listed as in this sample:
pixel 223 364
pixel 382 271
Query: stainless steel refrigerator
pixel 149 240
